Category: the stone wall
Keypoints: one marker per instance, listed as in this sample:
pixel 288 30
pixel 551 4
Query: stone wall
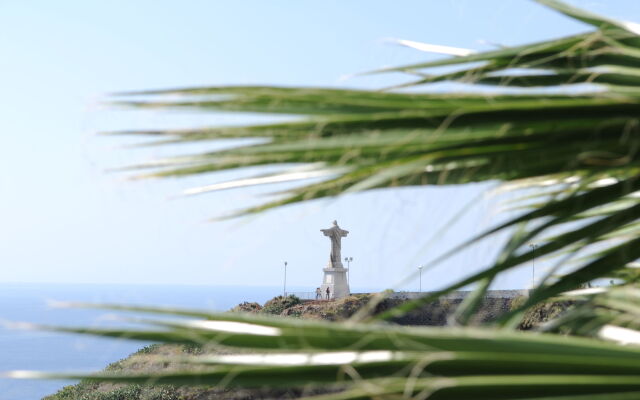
pixel 461 294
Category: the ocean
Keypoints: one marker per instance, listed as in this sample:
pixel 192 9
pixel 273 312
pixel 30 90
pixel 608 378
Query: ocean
pixel 46 351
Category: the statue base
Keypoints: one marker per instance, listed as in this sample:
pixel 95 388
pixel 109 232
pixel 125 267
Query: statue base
pixel 336 280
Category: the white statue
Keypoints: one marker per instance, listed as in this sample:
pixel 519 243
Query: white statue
pixel 335 233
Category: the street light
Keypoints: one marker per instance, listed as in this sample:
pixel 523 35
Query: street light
pixel 533 264
pixel 420 269
pixel 284 291
pixel 348 261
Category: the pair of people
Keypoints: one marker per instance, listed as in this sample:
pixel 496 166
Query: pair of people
pixel 319 293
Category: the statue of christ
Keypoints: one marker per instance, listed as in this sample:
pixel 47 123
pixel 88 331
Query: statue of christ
pixel 335 233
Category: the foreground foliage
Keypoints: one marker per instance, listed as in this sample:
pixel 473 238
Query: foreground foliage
pixel 558 118
pixel 167 358
pixel 574 149
pixel 367 360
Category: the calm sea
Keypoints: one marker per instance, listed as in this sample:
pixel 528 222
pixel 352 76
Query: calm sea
pixel 62 352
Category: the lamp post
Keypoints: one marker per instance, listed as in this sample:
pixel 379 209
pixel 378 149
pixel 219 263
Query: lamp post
pixel 420 269
pixel 284 291
pixel 533 264
pixel 348 261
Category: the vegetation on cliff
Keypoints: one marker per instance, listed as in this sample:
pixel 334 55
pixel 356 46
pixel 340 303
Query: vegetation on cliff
pixel 165 357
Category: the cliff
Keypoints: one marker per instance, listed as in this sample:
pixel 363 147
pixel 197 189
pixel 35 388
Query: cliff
pixel 152 358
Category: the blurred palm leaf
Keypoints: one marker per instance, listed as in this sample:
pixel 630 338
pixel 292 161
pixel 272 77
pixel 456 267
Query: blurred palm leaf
pixel 602 313
pixel 379 361
pixel 583 142
pixel 527 120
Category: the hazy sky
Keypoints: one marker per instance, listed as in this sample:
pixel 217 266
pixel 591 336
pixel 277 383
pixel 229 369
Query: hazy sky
pixel 64 218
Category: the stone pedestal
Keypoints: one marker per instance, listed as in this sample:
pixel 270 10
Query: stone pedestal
pixel 335 278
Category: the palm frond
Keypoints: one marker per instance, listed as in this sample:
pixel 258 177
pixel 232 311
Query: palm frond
pixel 370 360
pixel 542 130
pixel 557 118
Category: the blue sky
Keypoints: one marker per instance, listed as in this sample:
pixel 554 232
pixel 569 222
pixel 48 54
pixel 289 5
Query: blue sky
pixel 65 218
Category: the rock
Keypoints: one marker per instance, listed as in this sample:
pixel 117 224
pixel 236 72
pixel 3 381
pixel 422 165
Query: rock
pixel 152 358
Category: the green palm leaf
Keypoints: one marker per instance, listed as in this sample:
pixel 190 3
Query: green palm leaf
pixel 356 140
pixel 558 118
pixel 370 360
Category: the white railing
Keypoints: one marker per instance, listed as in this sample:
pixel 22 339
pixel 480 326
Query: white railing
pixel 303 295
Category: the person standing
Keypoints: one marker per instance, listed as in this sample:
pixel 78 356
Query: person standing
pixel 328 293
pixel 318 294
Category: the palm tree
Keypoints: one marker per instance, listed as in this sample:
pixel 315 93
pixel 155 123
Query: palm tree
pixel 556 119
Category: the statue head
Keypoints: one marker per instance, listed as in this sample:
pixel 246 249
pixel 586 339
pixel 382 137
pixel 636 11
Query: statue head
pixel 335 223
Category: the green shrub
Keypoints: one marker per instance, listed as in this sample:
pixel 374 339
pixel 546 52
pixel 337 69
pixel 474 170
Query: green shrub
pixel 148 349
pixel 131 392
pixel 162 393
pixel 278 304
pixel 247 307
